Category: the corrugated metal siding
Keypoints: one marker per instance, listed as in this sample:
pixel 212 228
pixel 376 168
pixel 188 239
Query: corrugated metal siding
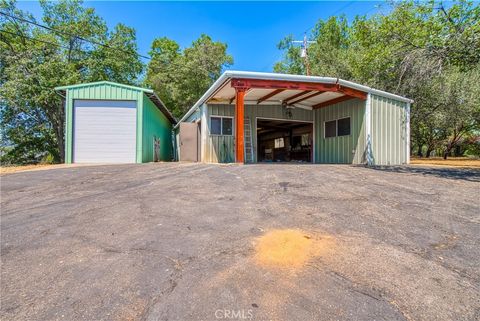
pixel 97 92
pixel 104 91
pixel 221 148
pixel 155 124
pixel 345 149
pixel 388 119
pixel 278 112
pixel 221 110
pixel 194 116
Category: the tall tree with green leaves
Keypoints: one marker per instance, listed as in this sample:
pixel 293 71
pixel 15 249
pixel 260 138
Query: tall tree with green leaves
pixel 181 77
pixel 421 50
pixel 71 44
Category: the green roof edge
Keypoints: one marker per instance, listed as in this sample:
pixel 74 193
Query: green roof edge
pixel 103 82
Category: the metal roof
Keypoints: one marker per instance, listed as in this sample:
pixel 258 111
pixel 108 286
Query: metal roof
pixel 148 92
pixel 220 91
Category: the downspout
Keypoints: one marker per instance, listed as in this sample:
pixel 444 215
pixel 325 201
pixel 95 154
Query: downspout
pixel 368 130
pixel 407 133
pixel 174 146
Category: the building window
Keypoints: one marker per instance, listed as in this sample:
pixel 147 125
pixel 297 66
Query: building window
pixel 227 126
pixel 343 127
pixel 279 143
pixel 330 128
pixel 215 125
pixel 337 127
pixel 221 126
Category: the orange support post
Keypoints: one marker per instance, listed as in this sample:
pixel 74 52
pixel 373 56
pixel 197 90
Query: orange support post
pixel 239 123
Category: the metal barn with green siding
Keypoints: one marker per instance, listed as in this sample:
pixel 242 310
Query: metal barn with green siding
pixel 249 117
pixel 108 122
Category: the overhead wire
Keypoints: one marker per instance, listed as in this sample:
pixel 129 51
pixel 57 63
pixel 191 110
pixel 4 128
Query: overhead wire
pixel 336 12
pixel 74 36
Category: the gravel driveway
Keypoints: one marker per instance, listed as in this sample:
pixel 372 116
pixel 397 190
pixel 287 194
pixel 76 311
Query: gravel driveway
pixel 173 241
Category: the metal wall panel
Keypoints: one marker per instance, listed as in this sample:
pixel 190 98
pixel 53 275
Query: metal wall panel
pixel 389 139
pixel 155 126
pixel 345 149
pixel 219 148
pixel 194 116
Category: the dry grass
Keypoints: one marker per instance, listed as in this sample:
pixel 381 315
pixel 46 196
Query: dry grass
pixel 24 168
pixel 449 162
pixel 290 248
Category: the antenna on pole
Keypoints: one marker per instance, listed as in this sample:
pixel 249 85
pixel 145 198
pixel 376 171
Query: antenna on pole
pixel 304 54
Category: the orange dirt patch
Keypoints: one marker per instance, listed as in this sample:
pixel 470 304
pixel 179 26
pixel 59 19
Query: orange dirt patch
pixel 449 162
pixel 290 248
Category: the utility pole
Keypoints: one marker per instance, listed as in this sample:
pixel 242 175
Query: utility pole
pixel 304 53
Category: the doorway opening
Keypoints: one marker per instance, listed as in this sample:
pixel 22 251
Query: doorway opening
pixel 284 141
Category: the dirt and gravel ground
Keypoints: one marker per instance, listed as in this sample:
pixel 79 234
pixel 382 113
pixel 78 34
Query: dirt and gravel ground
pixel 450 162
pixel 180 241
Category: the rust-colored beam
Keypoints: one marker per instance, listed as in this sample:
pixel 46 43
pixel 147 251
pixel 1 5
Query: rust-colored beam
pixel 307 97
pixel 282 84
pixel 296 96
pixel 353 92
pixel 269 95
pixel 296 85
pixel 332 101
pixel 239 124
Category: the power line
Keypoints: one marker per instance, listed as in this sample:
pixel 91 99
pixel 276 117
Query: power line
pixel 333 14
pixel 74 36
pixel 39 40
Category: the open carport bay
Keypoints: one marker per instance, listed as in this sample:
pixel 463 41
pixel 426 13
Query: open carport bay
pixel 180 241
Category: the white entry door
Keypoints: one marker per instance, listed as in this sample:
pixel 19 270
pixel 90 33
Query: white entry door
pixel 104 131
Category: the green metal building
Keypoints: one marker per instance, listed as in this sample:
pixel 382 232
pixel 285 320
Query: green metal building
pixel 108 122
pixel 250 117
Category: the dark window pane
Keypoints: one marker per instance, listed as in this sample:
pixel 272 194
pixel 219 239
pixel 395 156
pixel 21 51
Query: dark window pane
pixel 343 126
pixel 330 128
pixel 215 125
pixel 227 126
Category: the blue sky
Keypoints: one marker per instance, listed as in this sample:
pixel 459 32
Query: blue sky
pixel 252 30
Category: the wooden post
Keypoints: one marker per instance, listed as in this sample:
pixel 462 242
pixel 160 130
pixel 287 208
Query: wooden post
pixel 239 124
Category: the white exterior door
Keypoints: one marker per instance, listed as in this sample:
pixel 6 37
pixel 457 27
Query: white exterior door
pixel 104 131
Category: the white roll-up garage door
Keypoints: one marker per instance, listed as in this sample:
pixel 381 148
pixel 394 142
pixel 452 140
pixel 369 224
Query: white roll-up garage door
pixel 104 131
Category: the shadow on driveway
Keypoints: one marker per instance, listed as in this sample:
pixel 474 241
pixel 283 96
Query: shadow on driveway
pixel 467 174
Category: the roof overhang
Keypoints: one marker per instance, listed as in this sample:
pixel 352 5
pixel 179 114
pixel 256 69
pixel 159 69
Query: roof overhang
pixel 148 92
pixel 306 92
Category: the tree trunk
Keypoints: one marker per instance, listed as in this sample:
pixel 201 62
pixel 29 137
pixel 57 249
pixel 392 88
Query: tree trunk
pixel 429 151
pixel 447 150
pixel 57 121
pixel 419 151
pixel 60 132
pixel 60 142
